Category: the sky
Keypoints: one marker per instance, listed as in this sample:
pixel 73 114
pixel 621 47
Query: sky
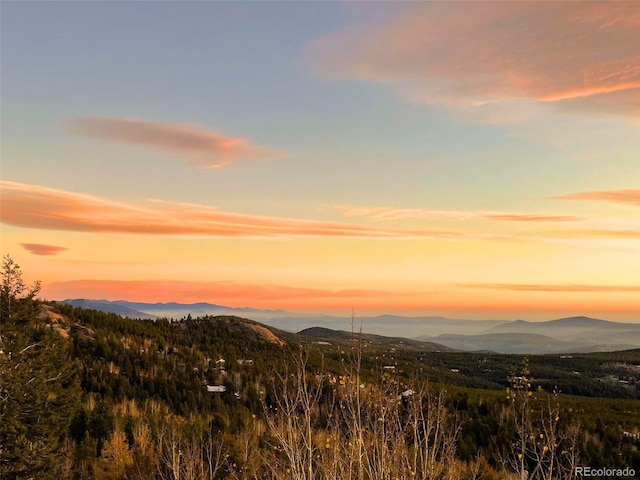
pixel 474 160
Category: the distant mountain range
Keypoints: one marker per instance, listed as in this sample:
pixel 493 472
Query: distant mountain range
pixel 119 308
pixel 565 335
pixel 150 311
pixel 572 334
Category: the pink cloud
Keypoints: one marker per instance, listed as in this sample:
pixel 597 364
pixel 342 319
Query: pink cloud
pixel 627 196
pixel 228 293
pixel 314 299
pixel 392 213
pixel 42 249
pixel 581 56
pixel 553 288
pixel 200 147
pixel 32 206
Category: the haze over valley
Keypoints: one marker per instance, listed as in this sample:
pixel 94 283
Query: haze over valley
pixel 573 334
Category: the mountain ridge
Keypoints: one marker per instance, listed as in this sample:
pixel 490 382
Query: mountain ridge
pixel 323 333
pixel 568 334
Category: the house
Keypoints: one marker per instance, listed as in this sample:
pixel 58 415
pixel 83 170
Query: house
pixel 216 388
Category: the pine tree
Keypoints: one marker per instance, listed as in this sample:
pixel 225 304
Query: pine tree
pixel 39 388
pixel 17 303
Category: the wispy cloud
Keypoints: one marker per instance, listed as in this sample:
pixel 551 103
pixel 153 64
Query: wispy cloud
pixel 626 196
pixel 590 230
pixel 552 288
pixel 581 56
pixel 42 249
pixel 238 294
pixel 229 293
pixel 393 213
pixel 200 147
pixel 608 233
pixel 33 206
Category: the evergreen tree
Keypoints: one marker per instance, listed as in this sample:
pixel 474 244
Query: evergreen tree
pixel 39 388
pixel 17 303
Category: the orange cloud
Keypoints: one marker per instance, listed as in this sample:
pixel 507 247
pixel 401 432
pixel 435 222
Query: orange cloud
pixel 578 55
pixel 553 288
pixel 628 196
pixel 318 299
pixel 32 206
pixel 391 213
pixel 42 249
pixel 608 233
pixel 228 293
pixel 202 148
pixel 525 217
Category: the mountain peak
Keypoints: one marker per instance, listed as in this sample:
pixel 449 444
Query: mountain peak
pixel 579 321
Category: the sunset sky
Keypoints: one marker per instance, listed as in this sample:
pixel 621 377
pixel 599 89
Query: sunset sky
pixel 472 160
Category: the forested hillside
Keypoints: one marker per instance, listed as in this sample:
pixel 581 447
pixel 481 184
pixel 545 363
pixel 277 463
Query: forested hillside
pixel 91 395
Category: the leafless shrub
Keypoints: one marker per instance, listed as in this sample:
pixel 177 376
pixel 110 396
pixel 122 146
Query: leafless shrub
pixel 542 448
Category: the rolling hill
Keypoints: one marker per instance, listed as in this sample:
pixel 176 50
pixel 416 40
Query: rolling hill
pixel 529 343
pixel 341 336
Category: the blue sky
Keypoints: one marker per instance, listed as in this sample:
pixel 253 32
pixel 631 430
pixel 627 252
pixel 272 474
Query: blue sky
pixel 491 141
